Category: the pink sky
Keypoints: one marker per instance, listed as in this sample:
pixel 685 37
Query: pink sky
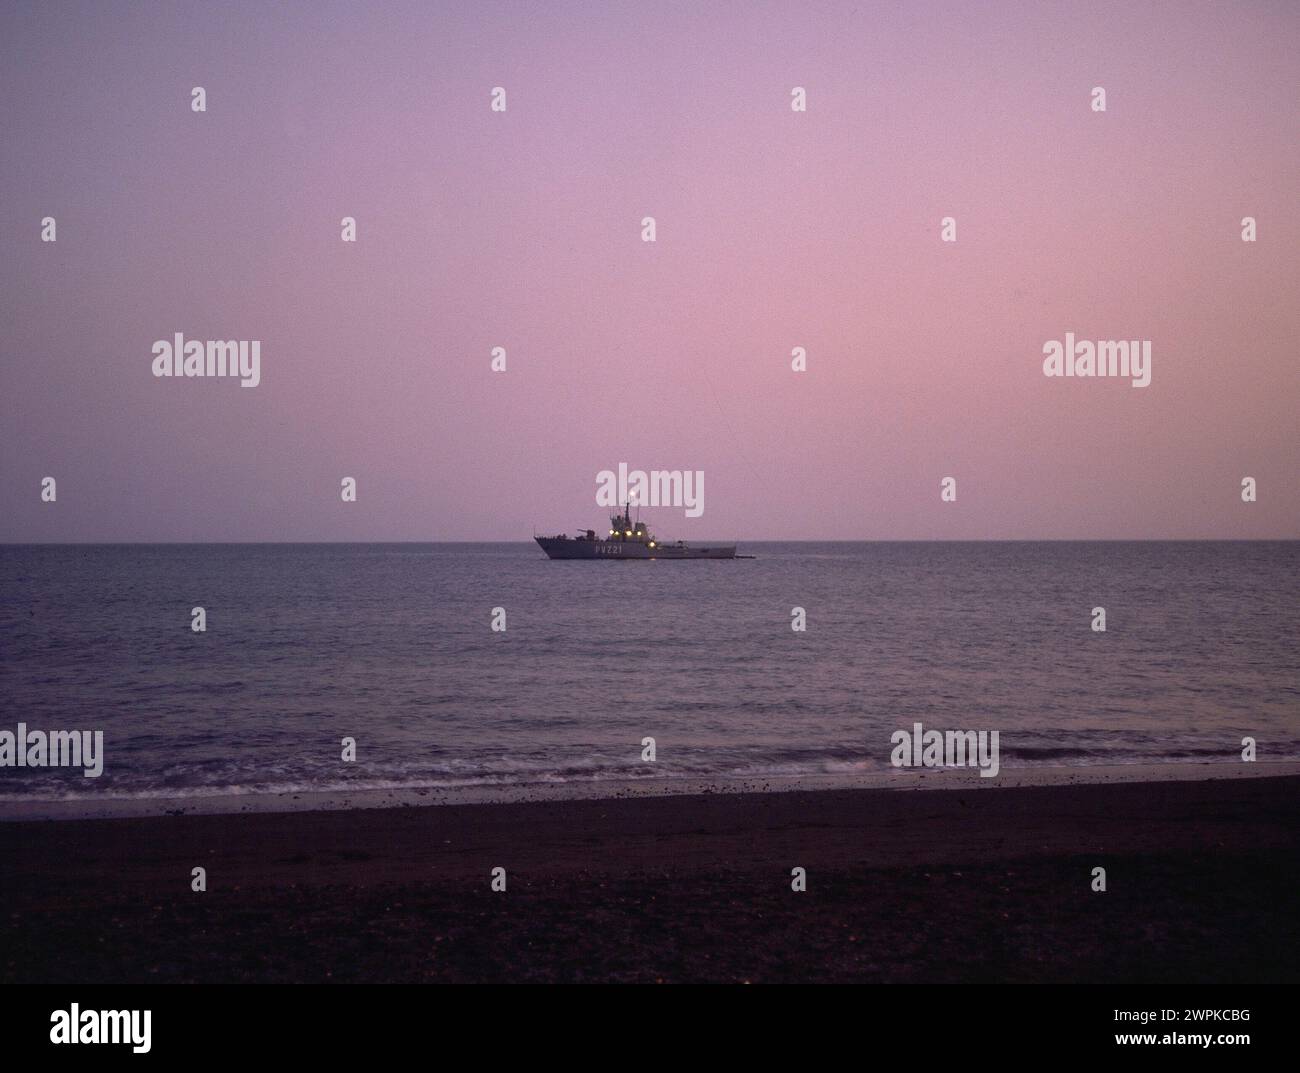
pixel 775 230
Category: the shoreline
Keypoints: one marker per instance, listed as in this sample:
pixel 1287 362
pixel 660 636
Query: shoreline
pixel 950 885
pixel 88 807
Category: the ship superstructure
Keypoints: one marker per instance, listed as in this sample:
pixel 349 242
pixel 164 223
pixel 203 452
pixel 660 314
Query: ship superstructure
pixel 627 539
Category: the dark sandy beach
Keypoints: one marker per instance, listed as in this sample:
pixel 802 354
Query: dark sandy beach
pixel 936 885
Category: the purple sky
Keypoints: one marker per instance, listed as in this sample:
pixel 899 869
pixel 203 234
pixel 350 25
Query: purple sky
pixel 775 230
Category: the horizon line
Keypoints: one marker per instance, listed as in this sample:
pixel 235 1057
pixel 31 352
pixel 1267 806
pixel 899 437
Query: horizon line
pixel 769 540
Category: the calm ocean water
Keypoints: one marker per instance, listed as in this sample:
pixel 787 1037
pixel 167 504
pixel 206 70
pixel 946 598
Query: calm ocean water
pixel 391 644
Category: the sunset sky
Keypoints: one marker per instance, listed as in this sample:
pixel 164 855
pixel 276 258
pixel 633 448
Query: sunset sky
pixel 776 229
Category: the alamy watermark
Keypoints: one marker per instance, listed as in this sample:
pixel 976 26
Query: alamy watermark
pixel 75 1025
pixel 951 748
pixel 658 488
pixel 213 357
pixel 1106 357
pixel 58 748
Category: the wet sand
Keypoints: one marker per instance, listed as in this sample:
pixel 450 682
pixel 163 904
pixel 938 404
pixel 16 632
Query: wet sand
pixel 958 884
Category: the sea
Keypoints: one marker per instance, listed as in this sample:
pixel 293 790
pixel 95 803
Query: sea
pixel 394 647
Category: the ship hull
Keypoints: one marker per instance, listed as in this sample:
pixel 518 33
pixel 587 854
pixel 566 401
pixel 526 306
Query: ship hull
pixel 558 548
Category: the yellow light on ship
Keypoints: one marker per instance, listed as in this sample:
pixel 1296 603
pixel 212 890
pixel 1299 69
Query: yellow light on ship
pixel 627 532
pixel 652 543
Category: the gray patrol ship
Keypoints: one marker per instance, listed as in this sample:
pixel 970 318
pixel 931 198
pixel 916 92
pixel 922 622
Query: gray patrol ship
pixel 627 540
